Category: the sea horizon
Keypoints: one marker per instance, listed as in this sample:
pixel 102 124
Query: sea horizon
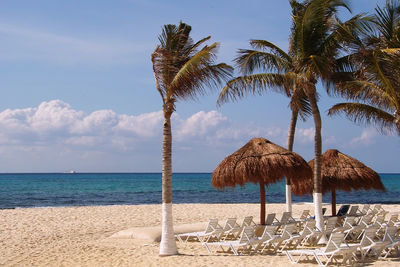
pixel 19 190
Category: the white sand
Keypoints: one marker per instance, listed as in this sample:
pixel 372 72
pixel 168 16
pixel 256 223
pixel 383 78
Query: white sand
pixel 91 236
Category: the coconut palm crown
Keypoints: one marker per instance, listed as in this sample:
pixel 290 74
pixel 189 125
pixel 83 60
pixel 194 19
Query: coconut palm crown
pixel 374 85
pixel 182 70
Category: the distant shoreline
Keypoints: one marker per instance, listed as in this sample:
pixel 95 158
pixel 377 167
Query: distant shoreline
pixel 78 172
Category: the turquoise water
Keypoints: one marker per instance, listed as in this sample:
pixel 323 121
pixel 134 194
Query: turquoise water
pixel 85 189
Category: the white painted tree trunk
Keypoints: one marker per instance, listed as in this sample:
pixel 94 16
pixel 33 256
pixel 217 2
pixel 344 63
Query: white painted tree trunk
pixel 319 218
pixel 168 243
pixel 288 198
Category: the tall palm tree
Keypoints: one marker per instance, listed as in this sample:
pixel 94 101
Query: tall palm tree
pixel 181 71
pixel 316 42
pixel 266 56
pixel 375 80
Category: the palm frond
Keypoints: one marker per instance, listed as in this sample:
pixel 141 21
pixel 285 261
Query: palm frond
pixel 249 61
pixel 365 114
pixel 198 73
pixel 268 46
pixel 256 84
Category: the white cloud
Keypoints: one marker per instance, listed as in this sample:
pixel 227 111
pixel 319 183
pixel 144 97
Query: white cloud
pixel 56 132
pixel 56 122
pixel 305 135
pixel 367 137
pixel 199 124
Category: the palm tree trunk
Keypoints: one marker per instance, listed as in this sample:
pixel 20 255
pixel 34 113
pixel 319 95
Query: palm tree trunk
pixel 168 244
pixel 262 202
pixel 290 142
pixel 317 194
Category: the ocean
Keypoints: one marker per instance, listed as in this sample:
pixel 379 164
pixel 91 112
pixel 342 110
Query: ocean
pixel 87 189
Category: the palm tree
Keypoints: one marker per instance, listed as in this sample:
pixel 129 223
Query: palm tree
pixel 266 56
pixel 375 80
pixel 316 41
pixel 181 71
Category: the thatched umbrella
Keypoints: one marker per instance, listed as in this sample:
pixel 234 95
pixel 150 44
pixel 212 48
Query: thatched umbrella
pixel 263 162
pixel 340 172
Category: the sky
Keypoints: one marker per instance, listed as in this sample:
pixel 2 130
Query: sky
pixel 78 91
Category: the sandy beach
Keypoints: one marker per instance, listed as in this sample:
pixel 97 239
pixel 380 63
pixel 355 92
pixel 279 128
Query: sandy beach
pixel 91 236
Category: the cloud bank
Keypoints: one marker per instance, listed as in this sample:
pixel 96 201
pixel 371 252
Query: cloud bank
pixel 55 134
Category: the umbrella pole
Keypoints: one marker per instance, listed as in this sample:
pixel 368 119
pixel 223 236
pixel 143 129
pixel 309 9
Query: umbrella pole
pixel 262 202
pixel 333 202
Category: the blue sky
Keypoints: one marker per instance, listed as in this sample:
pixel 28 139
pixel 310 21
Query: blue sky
pixel 78 90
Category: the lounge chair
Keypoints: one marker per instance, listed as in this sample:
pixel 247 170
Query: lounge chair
pixel 247 242
pixel 248 221
pixel 327 253
pixel 393 220
pixel 357 230
pixel 295 239
pixel 271 219
pixel 330 225
pixel 353 211
pixel 377 209
pixel 314 236
pixel 365 210
pixel 304 216
pixel 275 241
pixel 231 229
pixel 393 241
pixel 369 245
pixel 323 211
pixel 213 231
pixel 268 234
pixel 343 210
pixel 286 218
pixel 348 223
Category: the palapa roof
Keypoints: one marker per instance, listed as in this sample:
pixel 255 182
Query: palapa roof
pixel 259 159
pixel 341 172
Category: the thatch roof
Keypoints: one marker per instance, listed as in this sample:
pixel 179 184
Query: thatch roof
pixel 259 159
pixel 341 172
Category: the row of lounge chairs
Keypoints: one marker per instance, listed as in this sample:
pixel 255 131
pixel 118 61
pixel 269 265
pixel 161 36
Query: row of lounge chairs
pixel 354 236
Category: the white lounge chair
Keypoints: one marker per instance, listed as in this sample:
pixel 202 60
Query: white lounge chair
pixel 357 230
pixel 231 229
pixel 365 210
pixel 271 219
pixel 393 241
pixel 213 231
pixel 275 241
pixel 328 253
pixel 369 245
pixel 330 225
pixel 247 242
pixel 348 223
pixel 314 236
pixel 268 234
pixel 304 216
pixel 295 239
pixel 353 211
pixel 394 220
pixel 248 221
pixel 285 219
